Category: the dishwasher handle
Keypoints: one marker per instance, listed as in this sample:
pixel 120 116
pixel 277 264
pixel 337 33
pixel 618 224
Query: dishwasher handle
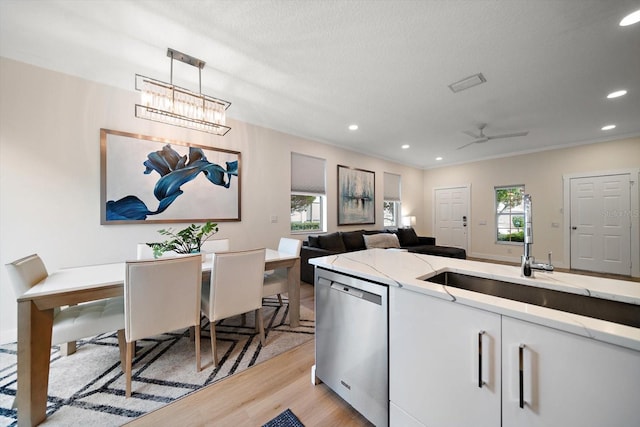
pixel 356 293
pixel 349 290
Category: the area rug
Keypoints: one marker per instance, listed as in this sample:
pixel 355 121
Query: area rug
pixel 285 419
pixel 87 388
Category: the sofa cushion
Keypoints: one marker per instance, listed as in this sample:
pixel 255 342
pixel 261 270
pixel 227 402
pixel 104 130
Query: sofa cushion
pixel 407 237
pixel 353 240
pixel 313 242
pixel 332 242
pixel 381 240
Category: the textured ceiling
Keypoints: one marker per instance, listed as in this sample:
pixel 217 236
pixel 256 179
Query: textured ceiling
pixel 311 68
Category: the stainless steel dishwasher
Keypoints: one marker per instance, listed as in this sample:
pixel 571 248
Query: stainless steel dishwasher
pixel 352 342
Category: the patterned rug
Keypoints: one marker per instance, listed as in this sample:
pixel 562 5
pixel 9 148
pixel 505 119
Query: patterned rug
pixel 87 388
pixel 285 419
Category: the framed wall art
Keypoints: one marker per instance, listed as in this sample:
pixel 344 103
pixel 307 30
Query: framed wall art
pixel 356 196
pixel 144 179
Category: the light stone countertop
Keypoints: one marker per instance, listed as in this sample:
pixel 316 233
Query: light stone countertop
pixel 409 271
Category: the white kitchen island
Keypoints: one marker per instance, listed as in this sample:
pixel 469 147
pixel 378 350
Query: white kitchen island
pixel 458 357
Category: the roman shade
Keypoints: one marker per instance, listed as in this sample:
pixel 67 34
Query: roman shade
pixel 391 187
pixel 307 174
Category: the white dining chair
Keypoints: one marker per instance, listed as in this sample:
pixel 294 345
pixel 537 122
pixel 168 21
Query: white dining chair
pixel 209 247
pixel 160 296
pixel 276 281
pixel 73 322
pixel 215 245
pixel 235 288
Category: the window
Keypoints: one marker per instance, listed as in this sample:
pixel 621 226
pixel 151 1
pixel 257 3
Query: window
pixel 391 213
pixel 509 214
pixel 306 213
pixel 307 194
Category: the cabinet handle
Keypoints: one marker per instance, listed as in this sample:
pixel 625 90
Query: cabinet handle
pixel 480 382
pixel 521 373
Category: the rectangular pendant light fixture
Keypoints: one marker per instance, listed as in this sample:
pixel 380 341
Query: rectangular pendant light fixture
pixel 166 103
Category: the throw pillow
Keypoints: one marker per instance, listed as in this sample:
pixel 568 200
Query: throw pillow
pixel 382 240
pixel 313 242
pixel 408 237
pixel 353 240
pixel 332 242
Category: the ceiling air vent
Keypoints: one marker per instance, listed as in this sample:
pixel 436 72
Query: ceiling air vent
pixel 468 82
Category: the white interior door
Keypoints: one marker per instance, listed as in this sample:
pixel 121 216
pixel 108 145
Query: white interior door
pixel 451 216
pixel 601 224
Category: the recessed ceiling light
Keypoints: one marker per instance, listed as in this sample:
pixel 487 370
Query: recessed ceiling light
pixel 630 19
pixel 438 158
pixel 617 94
pixel 353 127
pixel 405 146
pixel 608 127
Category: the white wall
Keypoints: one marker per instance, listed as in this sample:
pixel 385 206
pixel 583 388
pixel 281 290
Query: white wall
pixel 50 175
pixel 542 174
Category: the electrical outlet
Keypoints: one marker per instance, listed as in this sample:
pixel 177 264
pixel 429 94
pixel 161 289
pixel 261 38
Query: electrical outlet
pixel 274 219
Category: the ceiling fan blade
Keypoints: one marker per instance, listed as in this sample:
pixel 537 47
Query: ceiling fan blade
pixel 509 135
pixel 470 143
pixel 471 134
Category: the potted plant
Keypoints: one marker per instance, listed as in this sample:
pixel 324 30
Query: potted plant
pixel 186 241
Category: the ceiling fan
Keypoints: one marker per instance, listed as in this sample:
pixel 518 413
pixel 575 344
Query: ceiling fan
pixel 481 137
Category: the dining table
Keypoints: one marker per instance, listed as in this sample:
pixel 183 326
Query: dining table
pixel 76 285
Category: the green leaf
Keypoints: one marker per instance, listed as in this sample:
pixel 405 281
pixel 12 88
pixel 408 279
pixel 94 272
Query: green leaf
pixel 186 241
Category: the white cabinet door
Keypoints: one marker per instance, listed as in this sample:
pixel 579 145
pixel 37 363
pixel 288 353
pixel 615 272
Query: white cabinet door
pixel 568 380
pixel 398 417
pixel 434 361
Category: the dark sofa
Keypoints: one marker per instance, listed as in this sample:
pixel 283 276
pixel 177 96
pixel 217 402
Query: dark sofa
pixel 349 241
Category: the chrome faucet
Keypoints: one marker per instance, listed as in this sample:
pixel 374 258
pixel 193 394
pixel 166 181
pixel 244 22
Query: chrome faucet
pixel 529 263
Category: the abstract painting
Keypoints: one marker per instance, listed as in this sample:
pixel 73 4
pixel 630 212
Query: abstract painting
pixel 155 180
pixel 356 196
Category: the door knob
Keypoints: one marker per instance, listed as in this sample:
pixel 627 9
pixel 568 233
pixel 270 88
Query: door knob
pixel 574 228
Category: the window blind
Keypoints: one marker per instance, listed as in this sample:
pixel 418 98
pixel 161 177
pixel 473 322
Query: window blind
pixel 391 187
pixel 307 174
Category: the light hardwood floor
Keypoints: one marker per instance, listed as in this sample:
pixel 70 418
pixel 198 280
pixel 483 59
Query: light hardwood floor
pixel 255 396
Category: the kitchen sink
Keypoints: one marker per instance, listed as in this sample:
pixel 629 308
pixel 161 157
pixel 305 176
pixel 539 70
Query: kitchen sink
pixel 598 308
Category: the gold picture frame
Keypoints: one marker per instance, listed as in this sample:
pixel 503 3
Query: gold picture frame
pixel 145 179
